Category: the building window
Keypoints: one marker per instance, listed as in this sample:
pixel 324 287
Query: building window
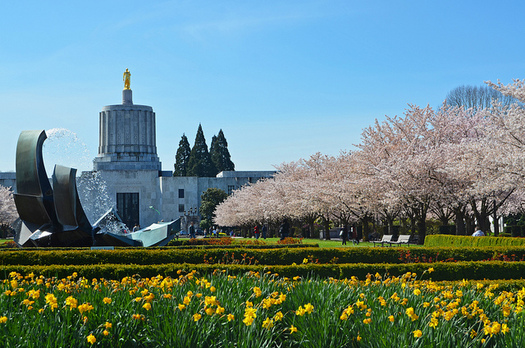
pixel 181 193
pixel 181 208
pixel 230 189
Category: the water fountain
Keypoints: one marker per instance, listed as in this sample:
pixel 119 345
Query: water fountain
pixel 52 215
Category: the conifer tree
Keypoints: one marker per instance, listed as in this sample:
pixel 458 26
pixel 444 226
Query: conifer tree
pixel 182 157
pixel 219 153
pixel 213 150
pixel 200 163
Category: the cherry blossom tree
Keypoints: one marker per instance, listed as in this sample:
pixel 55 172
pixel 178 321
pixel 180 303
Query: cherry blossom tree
pixel 465 164
pixel 8 213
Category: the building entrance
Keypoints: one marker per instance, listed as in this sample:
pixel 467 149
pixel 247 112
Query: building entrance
pixel 128 208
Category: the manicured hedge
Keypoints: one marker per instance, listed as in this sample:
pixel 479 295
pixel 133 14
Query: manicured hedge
pixel 442 271
pixel 276 256
pixel 439 240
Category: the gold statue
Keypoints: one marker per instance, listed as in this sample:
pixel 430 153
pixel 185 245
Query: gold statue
pixel 126 78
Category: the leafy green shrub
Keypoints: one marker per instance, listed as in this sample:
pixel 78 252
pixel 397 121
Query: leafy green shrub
pixel 8 244
pixel 266 255
pixel 441 271
pixel 469 241
pixel 290 240
pixel 202 241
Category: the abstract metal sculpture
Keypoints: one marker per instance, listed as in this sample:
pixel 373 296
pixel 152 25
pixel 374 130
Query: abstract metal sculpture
pixel 53 216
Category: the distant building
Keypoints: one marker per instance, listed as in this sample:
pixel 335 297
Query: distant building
pixel 8 179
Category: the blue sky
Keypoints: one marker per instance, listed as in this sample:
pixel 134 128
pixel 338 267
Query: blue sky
pixel 282 79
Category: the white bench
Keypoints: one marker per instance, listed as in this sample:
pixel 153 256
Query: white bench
pixel 402 239
pixel 386 239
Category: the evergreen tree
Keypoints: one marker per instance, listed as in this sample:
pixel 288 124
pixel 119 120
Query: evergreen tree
pixel 213 150
pixel 200 163
pixel 219 153
pixel 182 157
pixel 210 199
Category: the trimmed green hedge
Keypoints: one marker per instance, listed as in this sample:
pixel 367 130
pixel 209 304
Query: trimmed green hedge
pixel 442 271
pixel 276 256
pixel 439 240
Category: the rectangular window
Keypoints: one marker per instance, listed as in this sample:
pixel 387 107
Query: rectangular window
pixel 181 193
pixel 230 189
pixel 181 208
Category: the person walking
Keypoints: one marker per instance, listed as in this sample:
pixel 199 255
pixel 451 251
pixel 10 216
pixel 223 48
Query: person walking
pixel 264 231
pixel 344 234
pixel 355 235
pixel 192 230
pixel 256 231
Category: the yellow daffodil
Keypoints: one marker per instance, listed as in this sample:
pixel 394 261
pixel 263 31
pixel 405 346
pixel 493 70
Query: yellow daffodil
pixel 91 339
pixel 267 323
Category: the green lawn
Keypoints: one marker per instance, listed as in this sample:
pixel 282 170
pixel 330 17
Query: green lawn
pixel 322 243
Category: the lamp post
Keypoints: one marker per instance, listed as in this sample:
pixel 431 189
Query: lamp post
pixel 151 207
pixel 189 216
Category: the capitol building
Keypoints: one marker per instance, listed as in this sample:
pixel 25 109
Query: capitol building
pixel 128 165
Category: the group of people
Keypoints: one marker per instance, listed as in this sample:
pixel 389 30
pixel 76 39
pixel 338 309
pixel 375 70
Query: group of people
pixel 258 231
pixel 284 230
pixel 214 232
pixel 347 233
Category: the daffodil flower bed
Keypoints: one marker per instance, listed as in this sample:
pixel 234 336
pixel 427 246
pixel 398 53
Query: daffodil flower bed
pixel 257 310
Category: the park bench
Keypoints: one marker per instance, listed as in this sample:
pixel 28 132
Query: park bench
pixel 402 239
pixel 386 239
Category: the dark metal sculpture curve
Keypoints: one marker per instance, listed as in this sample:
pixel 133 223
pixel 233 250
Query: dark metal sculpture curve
pixel 53 216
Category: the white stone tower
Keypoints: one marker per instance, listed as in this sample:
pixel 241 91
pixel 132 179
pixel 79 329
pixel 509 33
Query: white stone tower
pixel 127 139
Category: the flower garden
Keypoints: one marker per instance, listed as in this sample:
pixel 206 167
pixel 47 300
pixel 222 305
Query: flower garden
pixel 238 302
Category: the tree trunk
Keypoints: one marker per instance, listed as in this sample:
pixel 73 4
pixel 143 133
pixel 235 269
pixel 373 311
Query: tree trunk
pixel 469 224
pixel 390 224
pixel 326 225
pixel 366 228
pixel 310 220
pixel 443 220
pixel 460 222
pixel 403 224
pixel 422 229
pixel 482 215
pixel 495 220
pixel 421 218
